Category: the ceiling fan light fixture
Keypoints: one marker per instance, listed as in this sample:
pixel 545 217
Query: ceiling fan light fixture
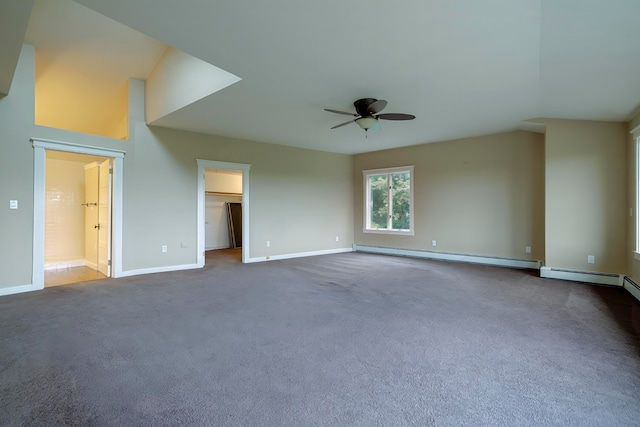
pixel 366 122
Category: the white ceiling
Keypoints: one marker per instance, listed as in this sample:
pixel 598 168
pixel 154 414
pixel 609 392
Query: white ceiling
pixel 464 68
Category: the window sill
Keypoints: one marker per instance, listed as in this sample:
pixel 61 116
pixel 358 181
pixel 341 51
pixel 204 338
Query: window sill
pixel 636 255
pixel 392 232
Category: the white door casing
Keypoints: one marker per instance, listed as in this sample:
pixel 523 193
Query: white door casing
pixel 91 215
pixel 39 170
pixel 104 218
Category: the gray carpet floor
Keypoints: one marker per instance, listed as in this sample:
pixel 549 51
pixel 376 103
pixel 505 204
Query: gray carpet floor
pixel 349 339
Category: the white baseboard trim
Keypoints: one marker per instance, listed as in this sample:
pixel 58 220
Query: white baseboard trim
pixel 17 290
pixel 632 287
pixel 609 279
pixel 444 256
pixel 152 270
pixel 299 255
pixel 65 264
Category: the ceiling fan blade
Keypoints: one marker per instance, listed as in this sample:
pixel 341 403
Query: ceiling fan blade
pixel 377 106
pixel 395 116
pixel 340 112
pixel 343 124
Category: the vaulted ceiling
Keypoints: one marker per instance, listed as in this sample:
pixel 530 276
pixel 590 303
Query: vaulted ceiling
pixel 464 68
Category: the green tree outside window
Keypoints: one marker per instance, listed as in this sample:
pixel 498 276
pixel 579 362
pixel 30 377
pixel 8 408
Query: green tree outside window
pixel 383 215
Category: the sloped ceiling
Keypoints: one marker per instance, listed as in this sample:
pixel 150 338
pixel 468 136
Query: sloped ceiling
pixel 83 63
pixel 464 68
pixel 14 17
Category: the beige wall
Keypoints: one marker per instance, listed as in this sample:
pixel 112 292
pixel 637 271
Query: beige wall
pixel 16 175
pixel 299 199
pixel 482 195
pixel 64 213
pixel 89 108
pixel 586 195
pixel 634 264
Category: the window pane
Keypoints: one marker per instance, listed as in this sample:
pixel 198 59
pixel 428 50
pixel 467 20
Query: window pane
pixel 379 197
pixel 401 186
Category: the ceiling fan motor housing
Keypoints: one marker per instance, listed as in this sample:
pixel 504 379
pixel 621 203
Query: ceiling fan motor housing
pixel 362 106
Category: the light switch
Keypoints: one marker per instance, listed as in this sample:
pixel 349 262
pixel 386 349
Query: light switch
pixel 13 204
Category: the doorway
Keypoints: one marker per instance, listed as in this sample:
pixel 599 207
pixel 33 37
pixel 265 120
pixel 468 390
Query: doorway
pixel 223 212
pixel 223 216
pixel 106 166
pixel 77 218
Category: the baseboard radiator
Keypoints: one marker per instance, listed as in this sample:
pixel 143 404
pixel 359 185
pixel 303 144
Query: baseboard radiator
pixel 632 287
pixel 608 279
pixel 446 256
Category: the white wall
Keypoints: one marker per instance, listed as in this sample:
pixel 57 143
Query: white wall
pixel 216 226
pixel 64 214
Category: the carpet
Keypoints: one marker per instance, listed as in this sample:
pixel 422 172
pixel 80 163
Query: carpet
pixel 347 339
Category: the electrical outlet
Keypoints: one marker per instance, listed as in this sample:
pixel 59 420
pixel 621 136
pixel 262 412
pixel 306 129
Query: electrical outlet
pixel 164 248
pixel 337 239
pixel 591 259
pixel 434 243
pixel 13 204
pixel 268 257
pixel 527 249
pixel 268 243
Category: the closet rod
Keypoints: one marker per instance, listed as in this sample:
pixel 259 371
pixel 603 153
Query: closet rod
pixel 220 193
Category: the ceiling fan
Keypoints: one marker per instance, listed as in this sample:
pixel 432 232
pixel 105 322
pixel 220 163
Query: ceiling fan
pixel 367 114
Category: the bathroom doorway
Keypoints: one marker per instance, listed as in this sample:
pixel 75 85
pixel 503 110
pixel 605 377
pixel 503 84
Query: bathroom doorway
pixel 114 159
pixel 77 229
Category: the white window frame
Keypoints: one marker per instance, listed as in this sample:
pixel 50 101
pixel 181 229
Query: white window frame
pixel 636 137
pixel 367 201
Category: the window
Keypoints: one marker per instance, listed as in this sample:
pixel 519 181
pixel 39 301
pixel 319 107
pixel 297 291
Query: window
pixel 389 201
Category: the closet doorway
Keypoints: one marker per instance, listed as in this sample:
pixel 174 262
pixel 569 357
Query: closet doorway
pixel 223 216
pixel 222 212
pixel 77 228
